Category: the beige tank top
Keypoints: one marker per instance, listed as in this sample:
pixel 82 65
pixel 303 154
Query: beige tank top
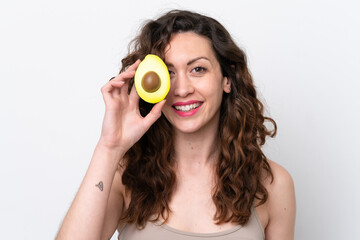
pixel 251 231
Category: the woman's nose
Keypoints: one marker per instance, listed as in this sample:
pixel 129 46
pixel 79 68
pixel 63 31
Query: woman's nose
pixel 182 86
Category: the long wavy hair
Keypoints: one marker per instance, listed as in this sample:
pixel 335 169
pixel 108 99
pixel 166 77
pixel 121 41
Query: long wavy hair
pixel 148 173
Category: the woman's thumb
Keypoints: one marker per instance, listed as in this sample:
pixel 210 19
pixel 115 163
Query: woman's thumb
pixel 154 114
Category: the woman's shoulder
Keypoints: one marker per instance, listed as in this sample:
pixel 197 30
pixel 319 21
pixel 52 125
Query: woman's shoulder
pixel 282 179
pixel 281 187
pixel 281 205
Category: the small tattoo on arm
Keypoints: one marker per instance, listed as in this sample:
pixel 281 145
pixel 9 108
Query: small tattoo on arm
pixel 100 185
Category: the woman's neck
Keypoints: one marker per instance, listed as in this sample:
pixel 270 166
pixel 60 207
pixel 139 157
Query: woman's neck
pixel 195 151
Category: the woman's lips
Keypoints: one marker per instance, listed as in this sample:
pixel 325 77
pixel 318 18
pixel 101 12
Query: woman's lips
pixel 186 109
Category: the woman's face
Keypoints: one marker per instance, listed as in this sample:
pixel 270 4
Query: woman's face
pixel 197 84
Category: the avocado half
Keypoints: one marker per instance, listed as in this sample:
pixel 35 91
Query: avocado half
pixel 152 79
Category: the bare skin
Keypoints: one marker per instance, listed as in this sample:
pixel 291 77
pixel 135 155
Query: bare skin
pixel 122 127
pixel 277 215
pixel 95 213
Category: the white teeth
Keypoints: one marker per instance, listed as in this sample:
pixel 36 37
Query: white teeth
pixel 187 108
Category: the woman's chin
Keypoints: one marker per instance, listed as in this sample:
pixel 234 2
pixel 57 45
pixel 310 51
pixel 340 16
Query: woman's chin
pixel 187 128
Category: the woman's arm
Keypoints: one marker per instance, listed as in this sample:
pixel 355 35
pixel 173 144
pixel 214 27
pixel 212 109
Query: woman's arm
pixel 85 217
pixel 122 127
pixel 115 206
pixel 281 205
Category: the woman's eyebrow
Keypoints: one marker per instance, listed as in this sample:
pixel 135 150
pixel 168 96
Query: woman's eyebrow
pixel 198 58
pixel 189 62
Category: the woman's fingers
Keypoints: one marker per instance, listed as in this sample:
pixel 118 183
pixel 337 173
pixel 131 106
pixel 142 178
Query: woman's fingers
pixel 134 97
pixel 130 73
pixel 118 85
pixel 127 74
pixel 154 114
pixel 134 66
pixel 117 88
pixel 122 77
pixel 115 82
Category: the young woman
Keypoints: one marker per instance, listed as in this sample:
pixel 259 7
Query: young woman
pixel 191 166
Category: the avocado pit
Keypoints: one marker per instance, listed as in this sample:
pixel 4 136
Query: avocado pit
pixel 151 82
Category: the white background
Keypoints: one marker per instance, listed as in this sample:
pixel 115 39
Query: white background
pixel 55 56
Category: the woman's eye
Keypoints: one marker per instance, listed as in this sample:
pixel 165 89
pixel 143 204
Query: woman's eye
pixel 199 69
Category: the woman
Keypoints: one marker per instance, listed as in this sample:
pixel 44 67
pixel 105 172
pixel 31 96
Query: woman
pixel 190 166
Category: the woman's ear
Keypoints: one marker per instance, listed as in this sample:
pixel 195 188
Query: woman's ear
pixel 226 85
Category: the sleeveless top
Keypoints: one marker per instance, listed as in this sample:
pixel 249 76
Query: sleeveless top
pixel 251 231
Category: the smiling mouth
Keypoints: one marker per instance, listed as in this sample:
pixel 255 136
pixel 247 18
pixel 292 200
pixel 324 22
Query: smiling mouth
pixel 187 108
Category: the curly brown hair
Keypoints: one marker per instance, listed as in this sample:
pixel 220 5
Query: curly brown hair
pixel 148 166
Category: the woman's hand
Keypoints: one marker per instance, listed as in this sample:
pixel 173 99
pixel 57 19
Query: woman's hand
pixel 123 125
